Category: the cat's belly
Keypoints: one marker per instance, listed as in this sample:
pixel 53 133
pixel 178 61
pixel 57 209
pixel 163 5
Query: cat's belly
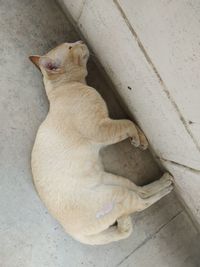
pixel 62 168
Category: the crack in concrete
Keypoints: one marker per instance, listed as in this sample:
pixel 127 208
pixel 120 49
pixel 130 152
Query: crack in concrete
pixel 178 164
pixel 116 2
pixel 151 236
pixel 81 10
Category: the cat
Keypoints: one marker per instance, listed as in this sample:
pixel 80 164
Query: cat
pixel 92 205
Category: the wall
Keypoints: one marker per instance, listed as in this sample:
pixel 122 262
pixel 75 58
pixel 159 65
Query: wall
pixel 151 52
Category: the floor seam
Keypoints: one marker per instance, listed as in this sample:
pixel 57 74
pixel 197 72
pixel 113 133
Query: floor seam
pixel 81 11
pixel 151 236
pixel 178 164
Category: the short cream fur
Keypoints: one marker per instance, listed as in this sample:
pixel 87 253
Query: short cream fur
pixel 92 205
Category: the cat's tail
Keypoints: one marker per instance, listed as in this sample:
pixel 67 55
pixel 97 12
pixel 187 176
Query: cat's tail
pixel 122 230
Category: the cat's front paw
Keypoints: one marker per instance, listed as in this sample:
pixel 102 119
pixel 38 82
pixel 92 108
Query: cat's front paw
pixel 143 141
pixel 138 139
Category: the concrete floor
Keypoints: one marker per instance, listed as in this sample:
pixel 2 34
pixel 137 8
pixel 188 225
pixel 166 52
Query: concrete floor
pixel 29 237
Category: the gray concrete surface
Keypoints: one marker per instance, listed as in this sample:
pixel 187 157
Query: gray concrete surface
pixel 29 237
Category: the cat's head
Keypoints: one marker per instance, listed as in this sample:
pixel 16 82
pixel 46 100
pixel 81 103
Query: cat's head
pixel 67 61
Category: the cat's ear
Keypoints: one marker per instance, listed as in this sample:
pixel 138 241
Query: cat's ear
pixel 76 54
pixel 35 60
pixel 49 65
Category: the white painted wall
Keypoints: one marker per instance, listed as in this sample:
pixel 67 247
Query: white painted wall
pixel 153 47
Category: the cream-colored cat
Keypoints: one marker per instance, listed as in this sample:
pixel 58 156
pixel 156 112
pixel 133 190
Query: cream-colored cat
pixel 92 205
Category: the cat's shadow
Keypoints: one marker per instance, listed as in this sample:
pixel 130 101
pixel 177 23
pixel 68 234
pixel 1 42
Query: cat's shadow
pixel 122 158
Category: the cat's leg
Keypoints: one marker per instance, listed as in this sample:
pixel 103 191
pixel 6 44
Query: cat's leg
pixel 137 202
pixel 123 202
pixel 114 203
pixel 143 140
pixel 113 131
pixel 143 191
pixel 112 179
pixel 146 202
pixel 141 197
pixel 151 189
